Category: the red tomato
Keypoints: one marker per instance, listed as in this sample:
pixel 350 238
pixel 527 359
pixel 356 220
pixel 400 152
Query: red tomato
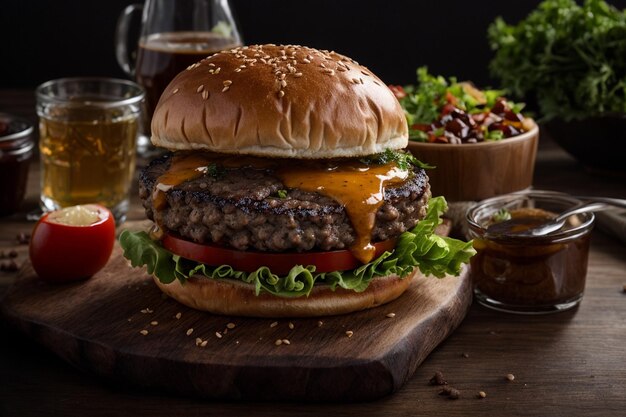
pixel 73 243
pixel 278 263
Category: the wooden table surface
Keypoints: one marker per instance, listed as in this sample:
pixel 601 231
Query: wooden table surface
pixel 566 364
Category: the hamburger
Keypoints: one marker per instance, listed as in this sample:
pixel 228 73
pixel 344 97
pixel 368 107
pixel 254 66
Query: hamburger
pixel 285 189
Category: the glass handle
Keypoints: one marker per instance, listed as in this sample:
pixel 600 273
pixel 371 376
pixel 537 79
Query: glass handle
pixel 121 38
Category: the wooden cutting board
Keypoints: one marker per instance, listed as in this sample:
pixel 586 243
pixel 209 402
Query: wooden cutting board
pixel 96 325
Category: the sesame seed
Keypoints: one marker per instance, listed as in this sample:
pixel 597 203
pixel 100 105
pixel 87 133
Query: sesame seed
pixel 281 93
pixel 237 69
pixel 230 326
pixel 154 323
pixel 482 394
pixel 349 333
pixel 218 335
pixel 297 74
pixel 227 82
pixel 211 64
pixel 199 89
pixel 322 65
pixel 364 73
pixel 282 76
pixel 204 343
pixel 510 377
pixel 376 82
pixel 144 332
pixel 291 326
pixel 306 61
pixel 178 315
pixel 274 324
pixel 330 72
pixel 356 81
pixel 320 323
pixel 341 69
pixel 175 91
pixel 225 89
pixel 205 95
pixel 278 342
pixel 189 331
pixel 283 83
pixel 361 80
pixel 198 341
pixel 391 315
pixel 242 66
pixel 217 71
pixel 286 342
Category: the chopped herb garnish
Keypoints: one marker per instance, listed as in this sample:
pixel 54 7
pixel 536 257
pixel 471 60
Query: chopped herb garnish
pixel 282 193
pixel 501 216
pixel 404 160
pixel 215 170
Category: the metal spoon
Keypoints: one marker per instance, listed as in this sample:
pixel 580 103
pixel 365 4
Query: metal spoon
pixel 504 228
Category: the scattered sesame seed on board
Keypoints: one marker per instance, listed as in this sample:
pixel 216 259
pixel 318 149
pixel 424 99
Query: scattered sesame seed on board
pixel 144 332
pixel 198 341
pixel 274 324
pixel 320 323
pixel 189 331
pixel 218 335
pixel 278 342
pixel 510 377
pixel 230 326
pixel 178 316
pixel 286 342
pixel 349 333
pixel 154 323
pixel 482 394
pixel 204 343
pixel 291 326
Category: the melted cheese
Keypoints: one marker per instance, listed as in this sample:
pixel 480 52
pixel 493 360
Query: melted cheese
pixel 356 186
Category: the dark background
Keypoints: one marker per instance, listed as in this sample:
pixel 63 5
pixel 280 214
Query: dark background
pixel 42 40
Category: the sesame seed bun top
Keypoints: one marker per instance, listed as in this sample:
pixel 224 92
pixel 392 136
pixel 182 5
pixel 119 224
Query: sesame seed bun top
pixel 279 101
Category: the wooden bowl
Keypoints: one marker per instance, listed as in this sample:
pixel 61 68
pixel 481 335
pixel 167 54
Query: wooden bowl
pixel 476 171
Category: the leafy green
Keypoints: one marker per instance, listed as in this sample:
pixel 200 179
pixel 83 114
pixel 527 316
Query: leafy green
pixel 281 193
pixel 421 247
pixel 425 100
pixel 570 58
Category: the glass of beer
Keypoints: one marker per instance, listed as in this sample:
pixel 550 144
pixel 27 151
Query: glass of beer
pixel 173 35
pixel 88 129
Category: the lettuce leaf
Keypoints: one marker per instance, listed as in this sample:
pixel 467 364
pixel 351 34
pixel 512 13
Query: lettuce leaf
pixel 420 247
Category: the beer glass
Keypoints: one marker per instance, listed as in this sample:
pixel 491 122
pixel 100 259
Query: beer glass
pixel 88 129
pixel 174 34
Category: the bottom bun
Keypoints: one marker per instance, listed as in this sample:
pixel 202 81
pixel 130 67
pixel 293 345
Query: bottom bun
pixel 236 298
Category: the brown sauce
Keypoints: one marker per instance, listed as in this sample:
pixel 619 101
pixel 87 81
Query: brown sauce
pixel 355 185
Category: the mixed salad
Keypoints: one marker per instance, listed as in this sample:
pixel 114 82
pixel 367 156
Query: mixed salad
pixel 441 110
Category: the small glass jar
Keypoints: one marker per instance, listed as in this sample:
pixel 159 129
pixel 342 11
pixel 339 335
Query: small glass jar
pixel 529 274
pixel 16 150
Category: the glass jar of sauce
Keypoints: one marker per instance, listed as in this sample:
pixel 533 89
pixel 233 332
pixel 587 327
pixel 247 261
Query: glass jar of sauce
pixel 16 150
pixel 519 273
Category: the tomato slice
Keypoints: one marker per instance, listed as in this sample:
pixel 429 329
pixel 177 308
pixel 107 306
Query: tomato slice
pixel 278 263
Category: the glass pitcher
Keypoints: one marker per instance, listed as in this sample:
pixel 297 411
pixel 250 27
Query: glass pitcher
pixel 174 34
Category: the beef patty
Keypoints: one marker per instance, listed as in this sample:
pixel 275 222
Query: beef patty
pixel 241 208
